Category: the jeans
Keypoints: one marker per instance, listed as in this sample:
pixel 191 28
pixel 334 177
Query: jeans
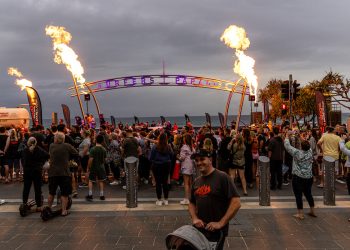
pixel 276 173
pixel 302 186
pixel 161 174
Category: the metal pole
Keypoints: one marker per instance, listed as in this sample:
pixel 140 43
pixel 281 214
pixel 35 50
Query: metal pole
pixel 87 107
pixel 241 106
pixel 291 90
pixel 131 165
pixel 251 112
pixel 229 101
pixel 329 181
pixel 95 99
pixel 264 181
pixel 78 96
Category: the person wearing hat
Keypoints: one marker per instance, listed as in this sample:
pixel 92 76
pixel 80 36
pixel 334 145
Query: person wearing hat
pixel 214 198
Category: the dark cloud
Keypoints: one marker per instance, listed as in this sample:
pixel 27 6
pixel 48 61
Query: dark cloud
pixel 120 38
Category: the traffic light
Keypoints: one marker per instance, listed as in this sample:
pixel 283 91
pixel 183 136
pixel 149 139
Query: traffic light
pixel 284 109
pixel 296 90
pixel 285 90
pixel 251 98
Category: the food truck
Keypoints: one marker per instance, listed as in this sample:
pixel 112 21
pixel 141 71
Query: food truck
pixel 18 117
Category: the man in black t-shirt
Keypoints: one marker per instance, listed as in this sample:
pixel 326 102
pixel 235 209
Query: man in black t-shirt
pixel 214 199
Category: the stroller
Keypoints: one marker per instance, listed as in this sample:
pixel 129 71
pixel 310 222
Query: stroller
pixel 190 238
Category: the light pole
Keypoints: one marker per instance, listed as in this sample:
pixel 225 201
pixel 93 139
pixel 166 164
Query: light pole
pixel 78 96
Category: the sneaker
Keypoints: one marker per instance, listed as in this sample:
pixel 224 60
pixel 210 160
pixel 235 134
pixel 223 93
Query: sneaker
pixel 89 198
pixel 145 182
pixel 2 202
pixel 74 194
pixel 285 183
pixel 159 203
pixel 124 187
pixel 102 198
pixel 83 185
pixel 185 202
pixel 166 202
pixel 320 186
pixel 340 180
pixel 114 183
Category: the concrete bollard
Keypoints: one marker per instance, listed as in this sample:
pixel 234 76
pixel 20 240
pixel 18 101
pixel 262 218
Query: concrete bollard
pixel 131 164
pixel 264 181
pixel 329 181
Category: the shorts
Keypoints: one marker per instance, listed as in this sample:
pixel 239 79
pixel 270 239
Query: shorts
pixel 336 167
pixel 64 182
pixel 234 166
pixel 84 162
pixel 14 163
pixel 98 174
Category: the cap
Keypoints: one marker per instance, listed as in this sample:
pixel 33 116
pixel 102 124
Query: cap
pixel 201 153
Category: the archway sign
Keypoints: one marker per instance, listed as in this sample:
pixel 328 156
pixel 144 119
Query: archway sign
pixel 170 80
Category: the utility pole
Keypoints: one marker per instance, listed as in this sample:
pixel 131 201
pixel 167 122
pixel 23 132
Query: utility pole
pixel 291 91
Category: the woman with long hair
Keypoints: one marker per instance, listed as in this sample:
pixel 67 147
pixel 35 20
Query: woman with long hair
pixel 237 148
pixel 187 167
pixel 161 155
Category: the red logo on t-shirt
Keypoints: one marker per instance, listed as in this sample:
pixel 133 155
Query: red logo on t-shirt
pixel 203 190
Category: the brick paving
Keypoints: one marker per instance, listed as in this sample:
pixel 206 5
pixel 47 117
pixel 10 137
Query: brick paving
pixel 101 228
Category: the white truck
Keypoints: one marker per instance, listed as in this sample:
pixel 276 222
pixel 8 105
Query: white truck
pixel 18 117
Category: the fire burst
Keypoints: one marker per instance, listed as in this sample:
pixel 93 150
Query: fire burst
pixel 23 83
pixel 236 38
pixel 64 54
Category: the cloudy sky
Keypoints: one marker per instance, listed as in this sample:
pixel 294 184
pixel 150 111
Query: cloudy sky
pixel 116 38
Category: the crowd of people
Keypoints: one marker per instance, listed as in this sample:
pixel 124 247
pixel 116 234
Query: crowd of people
pixel 78 156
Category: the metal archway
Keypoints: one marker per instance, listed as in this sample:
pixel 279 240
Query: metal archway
pixel 169 80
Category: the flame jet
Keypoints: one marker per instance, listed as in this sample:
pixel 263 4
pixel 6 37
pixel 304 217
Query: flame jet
pixel 236 38
pixel 63 54
pixel 22 82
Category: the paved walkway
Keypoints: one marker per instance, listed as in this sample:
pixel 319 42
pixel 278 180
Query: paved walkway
pixel 110 225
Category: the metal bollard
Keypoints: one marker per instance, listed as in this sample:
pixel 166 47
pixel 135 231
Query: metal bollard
pixel 130 164
pixel 264 181
pixel 329 181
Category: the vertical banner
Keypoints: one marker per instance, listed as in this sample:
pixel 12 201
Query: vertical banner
pixel 113 121
pixel 222 120
pixel 54 119
pixel 78 121
pixel 321 110
pixel 136 119
pixel 35 106
pixel 266 110
pixel 66 114
pixel 187 118
pixel 102 119
pixel 162 118
pixel 208 119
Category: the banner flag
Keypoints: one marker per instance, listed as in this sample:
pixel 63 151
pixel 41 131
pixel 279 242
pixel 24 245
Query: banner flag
pixel 187 118
pixel 35 106
pixel 113 121
pixel 137 121
pixel 266 111
pixel 222 120
pixel 66 114
pixel 208 119
pixel 78 121
pixel 162 118
pixel 321 110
